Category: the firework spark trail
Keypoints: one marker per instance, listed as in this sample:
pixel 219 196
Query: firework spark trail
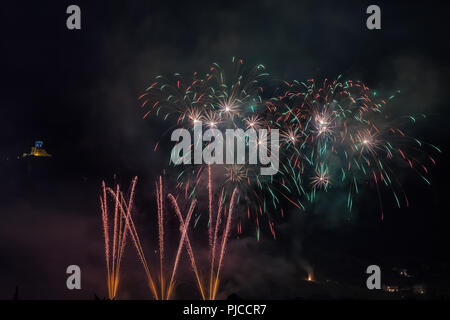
pixel 125 210
pixel 213 249
pixel 116 211
pixel 214 275
pixel 166 290
pixel 183 231
pixel 123 242
pixel 138 246
pixel 125 223
pixel 113 261
pixel 210 227
pixel 188 245
pixel 104 209
pixel 122 236
pixel 224 242
pixel 159 200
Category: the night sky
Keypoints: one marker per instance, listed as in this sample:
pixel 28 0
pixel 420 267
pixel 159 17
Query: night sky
pixel 78 92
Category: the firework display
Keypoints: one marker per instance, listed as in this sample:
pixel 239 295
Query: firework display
pixel 184 153
pixel 114 247
pixel 340 135
pixel 334 135
pixel 224 160
pixel 163 287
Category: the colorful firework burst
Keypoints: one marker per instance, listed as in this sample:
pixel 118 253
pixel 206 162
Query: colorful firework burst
pixel 332 136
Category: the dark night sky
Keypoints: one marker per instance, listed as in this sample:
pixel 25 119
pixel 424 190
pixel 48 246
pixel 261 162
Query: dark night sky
pixel 77 91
